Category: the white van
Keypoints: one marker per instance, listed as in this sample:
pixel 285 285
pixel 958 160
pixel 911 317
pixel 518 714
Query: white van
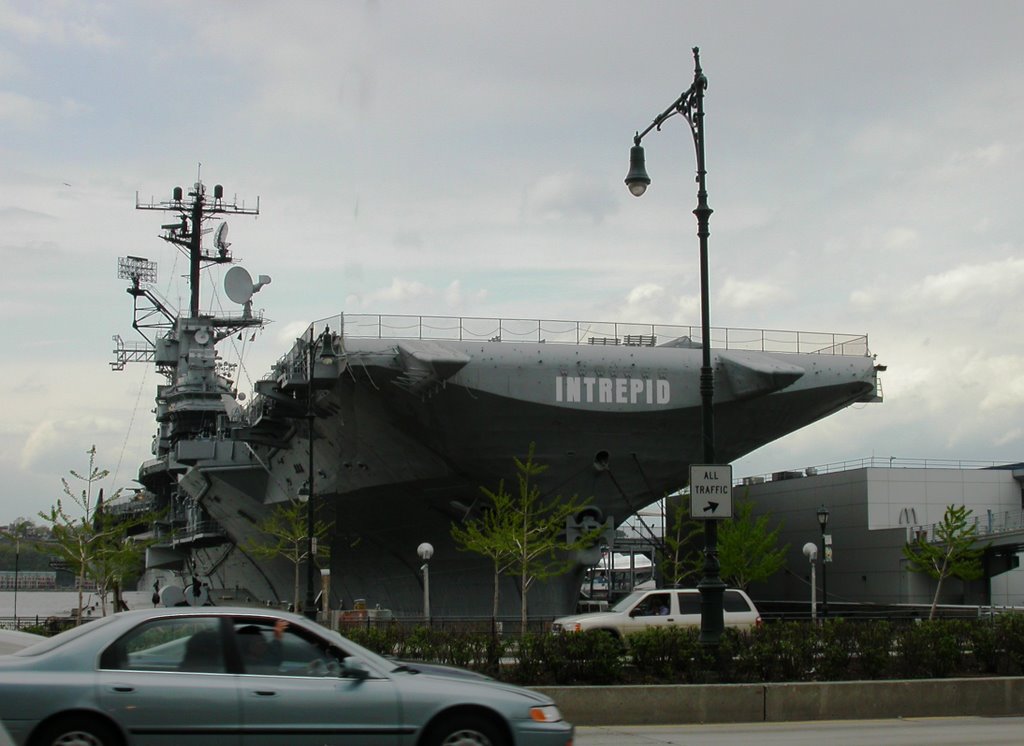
pixel 666 607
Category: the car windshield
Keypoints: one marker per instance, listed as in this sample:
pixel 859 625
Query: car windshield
pixel 627 602
pixel 49 643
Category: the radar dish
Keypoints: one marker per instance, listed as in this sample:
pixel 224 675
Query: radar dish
pixel 220 238
pixel 202 336
pixel 238 284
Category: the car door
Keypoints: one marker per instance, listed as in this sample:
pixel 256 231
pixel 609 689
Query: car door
pixel 306 701
pixel 167 684
pixel 688 613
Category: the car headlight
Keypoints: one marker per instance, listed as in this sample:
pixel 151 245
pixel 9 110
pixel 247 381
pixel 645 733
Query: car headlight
pixel 545 714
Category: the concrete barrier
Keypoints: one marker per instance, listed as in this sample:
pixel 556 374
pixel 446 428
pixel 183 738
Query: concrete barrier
pixel 751 703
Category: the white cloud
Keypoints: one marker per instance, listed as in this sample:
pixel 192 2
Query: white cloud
pixel 561 196
pixel 72 22
pixel 989 280
pixel 900 239
pixel 21 111
pixel 744 294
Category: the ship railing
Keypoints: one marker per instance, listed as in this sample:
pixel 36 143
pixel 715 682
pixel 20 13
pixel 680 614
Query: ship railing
pixel 993 524
pixel 451 328
pixel 871 462
pixel 193 532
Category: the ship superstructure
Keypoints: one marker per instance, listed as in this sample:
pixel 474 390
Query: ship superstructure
pixel 396 422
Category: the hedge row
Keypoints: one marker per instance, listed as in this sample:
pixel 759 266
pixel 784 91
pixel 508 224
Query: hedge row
pixel 835 650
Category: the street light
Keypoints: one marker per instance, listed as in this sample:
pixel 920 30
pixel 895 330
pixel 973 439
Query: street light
pixel 327 358
pixel 825 557
pixel 691 105
pixel 811 553
pixel 425 552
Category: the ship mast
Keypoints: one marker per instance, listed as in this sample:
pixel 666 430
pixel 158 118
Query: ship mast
pixel 187 234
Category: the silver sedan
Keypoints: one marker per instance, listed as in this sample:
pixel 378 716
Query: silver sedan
pixel 234 677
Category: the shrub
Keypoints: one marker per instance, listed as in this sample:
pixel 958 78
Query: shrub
pixel 670 654
pixel 930 649
pixel 778 652
pixel 1010 631
pixel 528 660
pixel 985 649
pixel 381 640
pixel 835 650
pixel 835 642
pixel 874 641
pixel 593 657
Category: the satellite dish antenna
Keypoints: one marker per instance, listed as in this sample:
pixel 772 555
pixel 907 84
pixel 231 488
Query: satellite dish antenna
pixel 220 238
pixel 238 283
pixel 202 336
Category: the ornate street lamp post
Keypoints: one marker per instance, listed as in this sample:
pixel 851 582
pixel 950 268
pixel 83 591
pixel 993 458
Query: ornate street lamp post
pixel 327 358
pixel 691 105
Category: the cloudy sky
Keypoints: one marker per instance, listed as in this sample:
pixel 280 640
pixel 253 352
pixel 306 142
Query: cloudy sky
pixel 466 158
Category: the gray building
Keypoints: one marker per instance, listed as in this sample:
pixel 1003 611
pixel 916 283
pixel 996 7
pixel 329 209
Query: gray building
pixel 875 507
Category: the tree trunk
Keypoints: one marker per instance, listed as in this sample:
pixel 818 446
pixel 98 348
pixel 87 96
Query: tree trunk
pixel 81 582
pixel 938 588
pixel 495 604
pixel 522 606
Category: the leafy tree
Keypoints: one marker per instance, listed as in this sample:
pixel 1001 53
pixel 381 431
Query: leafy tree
pixel 748 550
pixel 679 558
pixel 952 554
pixel 523 534
pixel 285 533
pixel 490 536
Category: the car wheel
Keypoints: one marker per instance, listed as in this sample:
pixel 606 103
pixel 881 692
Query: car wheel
pixel 466 730
pixel 77 733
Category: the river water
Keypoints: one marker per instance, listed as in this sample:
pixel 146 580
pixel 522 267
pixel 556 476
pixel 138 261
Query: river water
pixel 45 604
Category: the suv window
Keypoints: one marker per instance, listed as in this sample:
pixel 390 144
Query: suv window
pixel 656 604
pixel 689 603
pixel 733 601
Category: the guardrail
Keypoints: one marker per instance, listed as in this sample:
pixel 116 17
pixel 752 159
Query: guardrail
pixel 993 523
pixel 442 328
pixel 870 462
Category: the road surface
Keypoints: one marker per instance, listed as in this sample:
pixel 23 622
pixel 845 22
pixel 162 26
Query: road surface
pixel 905 732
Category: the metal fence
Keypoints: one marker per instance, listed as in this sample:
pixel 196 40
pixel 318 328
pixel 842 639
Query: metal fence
pixel 482 329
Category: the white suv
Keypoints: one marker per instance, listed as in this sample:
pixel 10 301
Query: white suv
pixel 666 607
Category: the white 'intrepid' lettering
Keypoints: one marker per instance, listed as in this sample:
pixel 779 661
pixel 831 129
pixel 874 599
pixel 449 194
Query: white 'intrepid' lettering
pixel 601 390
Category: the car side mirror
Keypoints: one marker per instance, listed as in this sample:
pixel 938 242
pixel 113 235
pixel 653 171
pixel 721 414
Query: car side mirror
pixel 354 668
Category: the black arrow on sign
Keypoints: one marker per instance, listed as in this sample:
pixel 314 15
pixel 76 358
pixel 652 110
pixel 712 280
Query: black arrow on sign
pixel 712 507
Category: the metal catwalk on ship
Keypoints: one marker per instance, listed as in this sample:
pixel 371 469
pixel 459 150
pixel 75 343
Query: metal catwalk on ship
pixel 411 416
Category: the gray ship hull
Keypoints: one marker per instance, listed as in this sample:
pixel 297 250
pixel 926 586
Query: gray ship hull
pixel 399 460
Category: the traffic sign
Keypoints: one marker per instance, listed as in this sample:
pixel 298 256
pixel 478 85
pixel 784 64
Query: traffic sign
pixel 710 492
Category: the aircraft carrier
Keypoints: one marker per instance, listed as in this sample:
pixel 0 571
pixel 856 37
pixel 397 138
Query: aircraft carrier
pixel 394 423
